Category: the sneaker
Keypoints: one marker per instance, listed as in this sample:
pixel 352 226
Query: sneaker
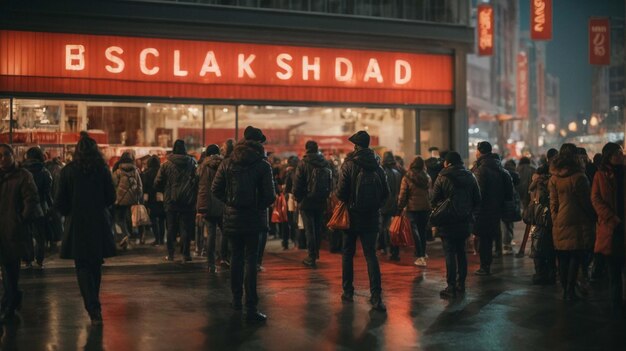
pixel 255 317
pixel 259 268
pixel 309 262
pixel 168 258
pixel 225 263
pixel 483 272
pixel 420 262
pixel 507 250
pixel 377 304
pixel 448 293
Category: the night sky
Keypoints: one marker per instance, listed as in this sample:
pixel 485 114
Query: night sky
pixel 568 51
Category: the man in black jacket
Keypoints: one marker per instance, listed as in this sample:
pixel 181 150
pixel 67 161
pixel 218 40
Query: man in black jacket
pixel 312 171
pixel 178 181
pixel 244 183
pixel 363 187
pixel 458 184
pixel 390 207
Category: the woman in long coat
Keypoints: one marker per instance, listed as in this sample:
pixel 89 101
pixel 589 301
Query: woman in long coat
pixel 85 194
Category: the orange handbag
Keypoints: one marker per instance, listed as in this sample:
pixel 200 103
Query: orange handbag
pixel 341 218
pixel 400 232
pixel 279 212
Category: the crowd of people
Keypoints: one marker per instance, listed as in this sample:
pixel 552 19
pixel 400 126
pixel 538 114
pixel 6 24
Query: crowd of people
pixel 225 205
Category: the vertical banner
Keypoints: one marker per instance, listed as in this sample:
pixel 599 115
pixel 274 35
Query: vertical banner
pixel 541 19
pixel 599 41
pixel 522 85
pixel 484 26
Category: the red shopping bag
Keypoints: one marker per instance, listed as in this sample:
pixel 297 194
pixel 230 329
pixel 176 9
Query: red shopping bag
pixel 400 232
pixel 279 212
pixel 341 218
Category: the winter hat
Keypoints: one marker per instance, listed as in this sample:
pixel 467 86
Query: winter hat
pixel 454 158
pixel 212 150
pixel 311 146
pixel 361 138
pixel 179 147
pixel 388 158
pixel 484 147
pixel 254 134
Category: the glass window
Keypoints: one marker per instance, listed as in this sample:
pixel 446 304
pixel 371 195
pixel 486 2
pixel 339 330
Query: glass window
pixel 219 124
pixel 5 120
pixel 434 127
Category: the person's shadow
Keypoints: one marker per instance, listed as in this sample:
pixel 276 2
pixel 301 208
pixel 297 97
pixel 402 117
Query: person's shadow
pixel 94 338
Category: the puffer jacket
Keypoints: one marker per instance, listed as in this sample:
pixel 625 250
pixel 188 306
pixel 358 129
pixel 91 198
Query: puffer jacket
pixel 174 173
pixel 394 178
pixel 208 204
pixel 605 198
pixel 43 181
pixel 248 155
pixel 538 191
pixel 415 192
pixel 459 182
pixel 489 173
pixel 368 221
pixel 304 173
pixel 573 216
pixel 128 186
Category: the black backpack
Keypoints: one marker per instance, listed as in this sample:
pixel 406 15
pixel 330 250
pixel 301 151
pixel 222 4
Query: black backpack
pixel 241 191
pixel 187 192
pixel 320 183
pixel 368 191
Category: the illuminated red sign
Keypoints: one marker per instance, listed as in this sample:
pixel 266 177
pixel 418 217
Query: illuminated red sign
pixel 131 66
pixel 599 41
pixel 541 19
pixel 485 30
pixel 522 85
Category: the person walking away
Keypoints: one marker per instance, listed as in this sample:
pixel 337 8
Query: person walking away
pixel 415 198
pixel 458 185
pixel 390 206
pixel 86 192
pixel 608 195
pixel 153 200
pixel 244 184
pixel 40 228
pixel 363 188
pixel 19 204
pixel 128 192
pixel 572 215
pixel 55 233
pixel 526 172
pixel 178 181
pixel 504 244
pixel 311 189
pixel 209 208
pixel 292 204
pixel 400 165
pixel 434 164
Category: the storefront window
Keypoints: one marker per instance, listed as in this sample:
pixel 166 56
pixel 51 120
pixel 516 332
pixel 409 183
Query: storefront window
pixel 5 120
pixel 219 124
pixel 434 130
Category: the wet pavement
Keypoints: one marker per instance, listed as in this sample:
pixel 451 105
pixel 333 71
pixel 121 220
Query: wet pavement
pixel 152 305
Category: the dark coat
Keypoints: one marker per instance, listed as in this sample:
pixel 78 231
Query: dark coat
pixel 526 173
pixel 54 166
pixel 208 204
pixel 148 177
pixel 19 203
pixel 460 182
pixel 415 191
pixel 128 186
pixel 434 165
pixel 174 173
pixel 489 174
pixel 304 173
pixel 43 181
pixel 249 155
pixel 604 197
pixel 84 199
pixel 355 161
pixel 394 179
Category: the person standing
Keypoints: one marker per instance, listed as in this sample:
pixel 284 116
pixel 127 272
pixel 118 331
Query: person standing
pixel 292 205
pixel 178 181
pixel 363 188
pixel 415 198
pixel 390 206
pixel 85 194
pixel 504 241
pixel 608 195
pixel 526 172
pixel 209 208
pixel 128 192
pixel 54 166
pixel 244 184
pixel 572 216
pixel 458 185
pixel 153 200
pixel 311 189
pixel 19 204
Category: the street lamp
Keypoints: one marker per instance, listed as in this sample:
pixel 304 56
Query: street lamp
pixel 593 121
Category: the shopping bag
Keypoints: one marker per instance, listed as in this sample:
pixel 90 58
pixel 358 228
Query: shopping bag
pixel 279 212
pixel 400 232
pixel 139 216
pixel 340 219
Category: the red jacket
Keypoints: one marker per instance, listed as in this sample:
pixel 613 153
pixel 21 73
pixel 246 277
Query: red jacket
pixel 604 200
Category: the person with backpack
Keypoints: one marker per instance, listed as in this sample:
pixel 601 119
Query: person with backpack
pixel 364 189
pixel 244 183
pixel 390 207
pixel 128 192
pixel 209 208
pixel 178 181
pixel 312 188
pixel 456 185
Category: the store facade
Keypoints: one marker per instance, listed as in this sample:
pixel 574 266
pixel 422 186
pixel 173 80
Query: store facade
pixel 135 90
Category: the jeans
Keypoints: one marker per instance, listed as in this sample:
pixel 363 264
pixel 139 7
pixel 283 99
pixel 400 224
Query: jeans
pixel 313 230
pixel 368 243
pixel 489 232
pixel 245 248
pixel 419 226
pixel 183 222
pixel 158 228
pixel 456 260
pixel 89 275
pixel 12 296
pixel 212 224
pixel 616 283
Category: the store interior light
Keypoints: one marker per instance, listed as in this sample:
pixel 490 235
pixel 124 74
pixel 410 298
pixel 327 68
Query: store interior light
pixel 572 127
pixel 225 110
pixel 584 122
pixel 551 127
pixel 563 133
pixel 594 121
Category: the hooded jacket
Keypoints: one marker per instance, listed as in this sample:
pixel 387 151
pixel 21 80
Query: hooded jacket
pixel 526 173
pixel 150 193
pixel 249 156
pixel 172 178
pixel 208 204
pixel 128 186
pixel 604 197
pixel 489 173
pixel 459 182
pixel 394 179
pixel 354 162
pixel 573 216
pixel 304 173
pixel 415 191
pixel 43 181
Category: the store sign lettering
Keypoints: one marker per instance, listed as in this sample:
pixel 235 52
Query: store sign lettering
pixel 599 41
pixel 541 19
pixel 485 30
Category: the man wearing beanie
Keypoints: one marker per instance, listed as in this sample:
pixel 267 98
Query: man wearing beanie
pixel 178 182
pixel 209 209
pixel 490 176
pixel 363 188
pixel 311 189
pixel 244 183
